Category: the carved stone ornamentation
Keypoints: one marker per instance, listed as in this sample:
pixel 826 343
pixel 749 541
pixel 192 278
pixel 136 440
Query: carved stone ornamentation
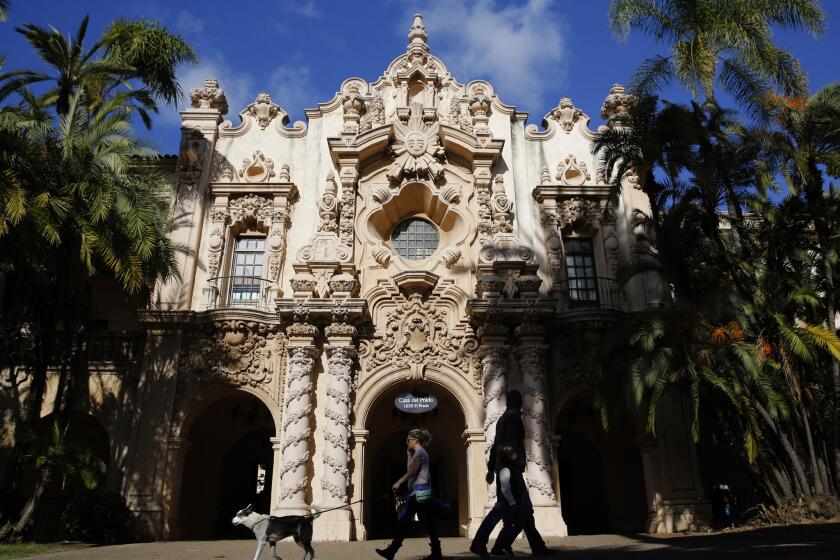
pixel 545 176
pixel 294 477
pixel 191 158
pixel 222 170
pixel 579 214
pixel 537 443
pixel 328 205
pixel 416 149
pixel 239 353
pixel 485 214
pixel 250 206
pixel 209 96
pixel 336 475
pixel 346 226
pixel 493 367
pixel 257 168
pixel 566 114
pixel 417 335
pixel 381 255
pixel 479 107
pixel 502 207
pixel 216 241
pixel 450 256
pixel 617 105
pixel 374 115
pixel 572 172
pixel 457 117
pixel 381 194
pixel 353 105
pixel 263 110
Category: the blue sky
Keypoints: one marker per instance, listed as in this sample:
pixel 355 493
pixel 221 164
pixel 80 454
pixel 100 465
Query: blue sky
pixel 533 51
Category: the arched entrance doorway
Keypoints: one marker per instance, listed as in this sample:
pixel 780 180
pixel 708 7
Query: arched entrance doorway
pixel 228 465
pixel 601 479
pixel 385 459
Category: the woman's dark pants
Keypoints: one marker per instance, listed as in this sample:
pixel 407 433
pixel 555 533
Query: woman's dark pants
pixel 427 518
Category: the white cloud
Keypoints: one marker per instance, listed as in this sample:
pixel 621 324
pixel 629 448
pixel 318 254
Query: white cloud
pixel 520 49
pixel 292 88
pixel 238 86
pixel 305 8
pixel 188 23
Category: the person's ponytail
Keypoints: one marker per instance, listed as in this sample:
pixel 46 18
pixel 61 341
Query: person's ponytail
pixel 422 435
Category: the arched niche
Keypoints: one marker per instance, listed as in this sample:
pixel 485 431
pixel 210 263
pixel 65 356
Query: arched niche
pixel 423 201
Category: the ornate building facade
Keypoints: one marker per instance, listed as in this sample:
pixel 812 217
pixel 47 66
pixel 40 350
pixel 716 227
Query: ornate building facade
pixel 414 236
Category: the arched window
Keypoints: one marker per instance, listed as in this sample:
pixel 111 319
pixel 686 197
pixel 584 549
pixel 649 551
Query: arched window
pixel 415 239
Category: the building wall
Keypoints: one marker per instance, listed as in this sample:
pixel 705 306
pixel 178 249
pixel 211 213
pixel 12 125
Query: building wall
pixel 343 322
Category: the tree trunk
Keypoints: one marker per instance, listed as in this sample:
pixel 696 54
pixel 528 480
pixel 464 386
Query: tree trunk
pixel 32 505
pixel 812 455
pixel 793 458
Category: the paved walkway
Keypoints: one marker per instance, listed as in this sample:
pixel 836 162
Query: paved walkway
pixel 774 543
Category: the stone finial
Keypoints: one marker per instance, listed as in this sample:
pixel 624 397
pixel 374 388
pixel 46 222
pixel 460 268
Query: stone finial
pixel 210 96
pixel 417 34
pixel 617 105
pixel 418 46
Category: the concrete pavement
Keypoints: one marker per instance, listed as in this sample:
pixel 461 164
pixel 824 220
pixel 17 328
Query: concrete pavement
pixel 805 542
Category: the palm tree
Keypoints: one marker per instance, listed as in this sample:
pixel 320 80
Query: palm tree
pixel 129 52
pixel 4 9
pixel 805 147
pixel 57 456
pixel 710 41
pixel 73 195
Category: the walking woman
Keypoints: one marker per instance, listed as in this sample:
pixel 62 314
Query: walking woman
pixel 419 499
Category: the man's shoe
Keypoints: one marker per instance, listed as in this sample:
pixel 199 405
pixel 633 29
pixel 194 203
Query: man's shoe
pixel 479 551
pixel 502 552
pixel 543 552
pixel 386 553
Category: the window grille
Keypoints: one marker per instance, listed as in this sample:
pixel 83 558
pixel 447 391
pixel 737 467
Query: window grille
pixel 415 239
pixel 580 271
pixel 247 270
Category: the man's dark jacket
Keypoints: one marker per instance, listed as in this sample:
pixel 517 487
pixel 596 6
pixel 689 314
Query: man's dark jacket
pixel 509 431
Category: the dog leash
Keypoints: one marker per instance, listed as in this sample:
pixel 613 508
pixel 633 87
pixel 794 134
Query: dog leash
pixel 334 508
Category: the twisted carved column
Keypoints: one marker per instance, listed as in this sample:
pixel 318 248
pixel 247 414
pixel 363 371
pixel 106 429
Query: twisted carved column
pixel 336 475
pixel 537 438
pixel 493 354
pixel 294 478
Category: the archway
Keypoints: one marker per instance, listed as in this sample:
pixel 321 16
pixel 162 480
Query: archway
pixel 386 459
pixel 228 464
pixel 601 479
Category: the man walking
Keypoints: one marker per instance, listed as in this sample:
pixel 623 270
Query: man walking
pixel 517 515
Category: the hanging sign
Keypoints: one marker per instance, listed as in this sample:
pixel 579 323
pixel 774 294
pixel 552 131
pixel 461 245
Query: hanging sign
pixel 415 403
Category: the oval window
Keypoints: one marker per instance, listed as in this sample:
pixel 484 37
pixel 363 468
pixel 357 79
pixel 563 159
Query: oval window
pixel 415 239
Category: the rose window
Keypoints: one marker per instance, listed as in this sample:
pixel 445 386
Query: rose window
pixel 415 239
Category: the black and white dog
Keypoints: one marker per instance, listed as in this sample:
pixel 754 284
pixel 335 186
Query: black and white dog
pixel 269 529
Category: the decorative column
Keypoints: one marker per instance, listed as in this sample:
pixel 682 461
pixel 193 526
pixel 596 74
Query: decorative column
pixel 494 359
pixel 530 352
pixel 277 449
pixel 297 429
pixel 337 524
pixel 359 443
pixel 474 441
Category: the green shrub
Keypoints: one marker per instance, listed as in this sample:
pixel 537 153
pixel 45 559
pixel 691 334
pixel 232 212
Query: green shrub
pixel 100 517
